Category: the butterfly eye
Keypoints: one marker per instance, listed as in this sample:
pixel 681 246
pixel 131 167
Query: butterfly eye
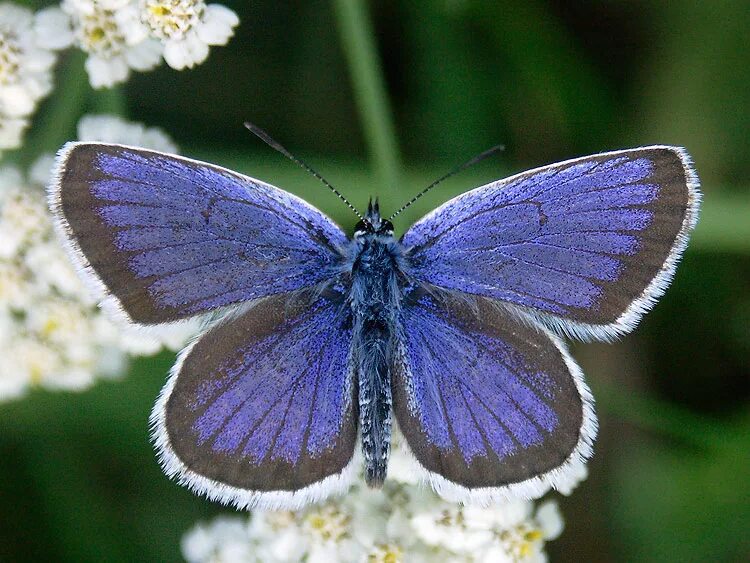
pixel 362 227
pixel 386 226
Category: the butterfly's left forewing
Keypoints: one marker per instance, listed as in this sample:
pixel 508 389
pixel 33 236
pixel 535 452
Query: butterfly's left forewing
pixel 490 407
pixel 163 238
pixel 260 411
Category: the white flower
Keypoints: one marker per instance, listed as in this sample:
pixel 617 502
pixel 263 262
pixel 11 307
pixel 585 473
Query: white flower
pixel 52 29
pixel 395 524
pixel 114 38
pixel 113 129
pixel 25 66
pixel 11 131
pixel 187 28
pixel 25 72
pixel 51 332
pixel 386 553
pixel 225 540
pixel 277 536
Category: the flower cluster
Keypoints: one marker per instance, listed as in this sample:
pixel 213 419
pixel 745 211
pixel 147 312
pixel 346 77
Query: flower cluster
pixel 51 333
pixel 25 72
pixel 118 36
pixel 403 522
pixel 123 35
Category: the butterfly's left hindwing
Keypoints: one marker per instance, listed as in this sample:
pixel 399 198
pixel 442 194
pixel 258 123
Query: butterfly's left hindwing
pixel 164 238
pixel 260 411
pixel 490 407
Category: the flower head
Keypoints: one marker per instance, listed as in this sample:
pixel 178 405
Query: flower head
pixel 187 28
pixel 25 72
pixel 115 40
pixel 25 66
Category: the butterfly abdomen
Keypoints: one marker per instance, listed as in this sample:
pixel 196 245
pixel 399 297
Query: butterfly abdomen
pixel 375 301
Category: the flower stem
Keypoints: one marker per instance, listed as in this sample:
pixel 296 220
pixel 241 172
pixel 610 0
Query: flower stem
pixel 358 43
pixel 110 101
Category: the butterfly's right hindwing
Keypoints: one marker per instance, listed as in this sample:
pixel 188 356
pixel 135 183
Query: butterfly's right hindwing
pixel 260 411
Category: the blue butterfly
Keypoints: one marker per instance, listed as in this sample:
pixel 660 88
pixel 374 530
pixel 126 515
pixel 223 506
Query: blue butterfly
pixel 454 329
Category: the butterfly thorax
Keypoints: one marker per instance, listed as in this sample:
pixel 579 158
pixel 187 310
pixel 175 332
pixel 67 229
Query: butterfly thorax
pixel 375 300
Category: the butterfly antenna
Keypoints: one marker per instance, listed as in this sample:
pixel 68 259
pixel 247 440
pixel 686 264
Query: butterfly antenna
pixel 469 163
pixel 266 138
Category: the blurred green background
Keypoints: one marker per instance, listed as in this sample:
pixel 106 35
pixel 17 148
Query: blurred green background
pixel 549 80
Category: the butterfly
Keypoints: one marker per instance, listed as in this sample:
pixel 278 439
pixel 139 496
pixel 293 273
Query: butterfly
pixel 319 342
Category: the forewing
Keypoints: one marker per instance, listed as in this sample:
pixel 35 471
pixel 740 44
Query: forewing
pixel 585 245
pixel 167 238
pixel 491 408
pixel 260 411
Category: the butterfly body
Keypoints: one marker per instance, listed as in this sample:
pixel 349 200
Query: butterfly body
pixel 318 341
pixel 375 300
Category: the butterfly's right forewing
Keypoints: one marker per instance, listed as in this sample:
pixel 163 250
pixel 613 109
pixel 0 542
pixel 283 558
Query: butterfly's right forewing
pixel 585 246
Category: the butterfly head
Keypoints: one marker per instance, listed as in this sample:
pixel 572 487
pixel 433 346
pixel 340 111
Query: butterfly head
pixel 373 223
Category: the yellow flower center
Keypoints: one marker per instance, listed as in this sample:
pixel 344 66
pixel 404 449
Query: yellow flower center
pixel 172 19
pixel 329 523
pixel 10 55
pixel 386 554
pixel 98 32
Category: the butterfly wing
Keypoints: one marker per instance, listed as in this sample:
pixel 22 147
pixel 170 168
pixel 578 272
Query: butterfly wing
pixel 165 238
pixel 260 411
pixel 490 407
pixel 586 246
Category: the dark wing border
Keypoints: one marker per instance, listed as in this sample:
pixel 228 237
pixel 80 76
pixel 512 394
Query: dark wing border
pixel 629 319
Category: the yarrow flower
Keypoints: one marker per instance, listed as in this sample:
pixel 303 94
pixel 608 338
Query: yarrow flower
pixel 403 522
pixel 108 31
pixel 187 28
pixel 51 332
pixel 25 72
pixel 124 35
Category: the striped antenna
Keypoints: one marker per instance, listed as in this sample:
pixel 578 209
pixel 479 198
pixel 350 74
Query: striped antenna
pixel 456 170
pixel 266 138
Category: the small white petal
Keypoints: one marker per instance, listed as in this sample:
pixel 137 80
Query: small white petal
pixel 15 101
pixel 15 17
pixel 105 73
pixel 217 25
pixel 52 29
pixel 41 169
pixel 550 520
pixel 145 55
pixel 222 13
pixel 11 131
pixel 185 53
pixel 198 49
pixel 176 55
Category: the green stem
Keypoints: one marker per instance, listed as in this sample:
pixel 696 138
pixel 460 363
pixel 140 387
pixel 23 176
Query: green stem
pixel 358 43
pixel 110 100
